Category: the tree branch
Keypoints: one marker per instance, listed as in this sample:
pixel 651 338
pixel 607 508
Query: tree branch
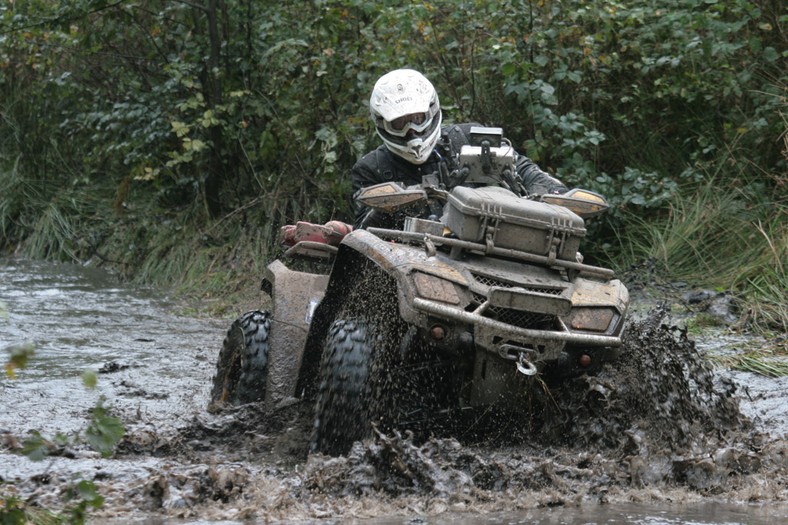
pixel 62 18
pixel 199 7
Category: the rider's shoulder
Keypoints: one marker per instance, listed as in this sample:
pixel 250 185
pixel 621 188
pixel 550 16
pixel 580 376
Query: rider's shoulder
pixel 371 159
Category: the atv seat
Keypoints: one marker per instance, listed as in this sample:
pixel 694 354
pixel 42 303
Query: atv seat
pixel 312 250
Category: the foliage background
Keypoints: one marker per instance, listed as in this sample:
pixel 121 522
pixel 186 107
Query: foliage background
pixel 171 139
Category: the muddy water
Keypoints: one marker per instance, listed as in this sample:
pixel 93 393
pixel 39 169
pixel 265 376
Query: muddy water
pixel 151 365
pixel 660 438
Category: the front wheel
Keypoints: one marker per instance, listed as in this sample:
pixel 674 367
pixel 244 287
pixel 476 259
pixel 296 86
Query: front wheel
pixel 241 370
pixel 345 392
pixel 372 373
pixel 364 380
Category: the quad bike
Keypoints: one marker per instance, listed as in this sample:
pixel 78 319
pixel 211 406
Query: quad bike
pixel 473 291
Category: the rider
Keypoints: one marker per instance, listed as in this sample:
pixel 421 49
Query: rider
pixel 405 108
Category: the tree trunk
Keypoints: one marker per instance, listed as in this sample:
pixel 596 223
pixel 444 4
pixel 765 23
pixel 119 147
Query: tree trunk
pixel 212 91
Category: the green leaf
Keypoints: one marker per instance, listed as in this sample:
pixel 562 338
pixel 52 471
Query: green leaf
pixel 88 493
pixel 36 448
pixel 547 89
pixel 104 431
pixel 770 54
pixel 574 76
pixel 20 354
pixel 209 119
pixel 179 128
pixel 193 145
pixel 89 379
pixel 509 69
pixel 541 60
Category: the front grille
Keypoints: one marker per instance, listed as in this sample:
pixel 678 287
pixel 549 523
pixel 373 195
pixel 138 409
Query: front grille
pixel 518 318
pixel 521 319
pixel 486 280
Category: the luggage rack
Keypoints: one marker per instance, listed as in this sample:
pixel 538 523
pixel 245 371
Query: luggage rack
pixel 430 241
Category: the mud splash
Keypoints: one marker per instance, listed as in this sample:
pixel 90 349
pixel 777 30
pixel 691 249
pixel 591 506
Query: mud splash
pixel 658 418
pixel 658 427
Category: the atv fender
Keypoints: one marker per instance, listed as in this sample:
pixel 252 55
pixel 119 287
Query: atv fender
pixel 403 263
pixel 356 248
pixel 295 298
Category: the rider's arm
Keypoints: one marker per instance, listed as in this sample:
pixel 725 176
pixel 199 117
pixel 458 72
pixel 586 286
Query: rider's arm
pixel 535 180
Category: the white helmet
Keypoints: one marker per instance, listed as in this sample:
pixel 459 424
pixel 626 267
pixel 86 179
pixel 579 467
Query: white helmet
pixel 407 114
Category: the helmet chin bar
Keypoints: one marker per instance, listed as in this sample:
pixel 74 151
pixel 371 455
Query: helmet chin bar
pixel 416 146
pixel 416 151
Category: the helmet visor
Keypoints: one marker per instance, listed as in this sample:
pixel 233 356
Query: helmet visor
pixel 400 126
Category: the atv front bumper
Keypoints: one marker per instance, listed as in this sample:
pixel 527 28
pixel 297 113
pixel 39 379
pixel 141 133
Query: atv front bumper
pixel 509 341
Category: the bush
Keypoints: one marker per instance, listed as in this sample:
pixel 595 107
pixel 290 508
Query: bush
pixel 227 113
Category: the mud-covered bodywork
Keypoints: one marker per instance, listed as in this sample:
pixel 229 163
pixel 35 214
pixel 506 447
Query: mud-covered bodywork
pixel 295 296
pixel 506 307
pixel 509 308
pixel 451 295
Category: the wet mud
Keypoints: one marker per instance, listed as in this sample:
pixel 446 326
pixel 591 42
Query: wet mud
pixel 661 426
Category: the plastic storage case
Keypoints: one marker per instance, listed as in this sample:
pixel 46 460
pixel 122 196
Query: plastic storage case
pixel 514 222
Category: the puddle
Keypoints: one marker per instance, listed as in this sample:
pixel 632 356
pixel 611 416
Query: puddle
pixel 660 437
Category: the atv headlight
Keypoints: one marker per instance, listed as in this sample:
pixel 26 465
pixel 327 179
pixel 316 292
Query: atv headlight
pixel 435 288
pixel 591 319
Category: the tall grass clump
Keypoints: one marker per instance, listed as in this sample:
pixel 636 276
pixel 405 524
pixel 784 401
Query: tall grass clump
pixel 700 238
pixel 201 258
pixel 52 235
pixel 765 279
pixel 62 224
pixel 14 192
pixel 717 237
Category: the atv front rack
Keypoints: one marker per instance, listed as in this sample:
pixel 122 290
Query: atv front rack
pixel 430 241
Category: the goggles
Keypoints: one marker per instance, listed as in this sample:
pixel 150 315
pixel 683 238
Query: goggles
pixel 400 126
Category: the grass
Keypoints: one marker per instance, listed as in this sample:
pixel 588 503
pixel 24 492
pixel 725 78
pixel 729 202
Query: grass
pixel 765 362
pixel 53 234
pixel 759 364
pixel 213 263
pixel 716 238
pixel 766 279
pixel 14 191
pixel 694 241
pixel 697 324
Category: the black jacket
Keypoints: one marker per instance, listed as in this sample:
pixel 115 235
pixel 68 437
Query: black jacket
pixel 381 165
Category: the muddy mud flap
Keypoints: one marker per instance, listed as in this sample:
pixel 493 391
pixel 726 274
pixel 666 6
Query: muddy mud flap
pixel 296 296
